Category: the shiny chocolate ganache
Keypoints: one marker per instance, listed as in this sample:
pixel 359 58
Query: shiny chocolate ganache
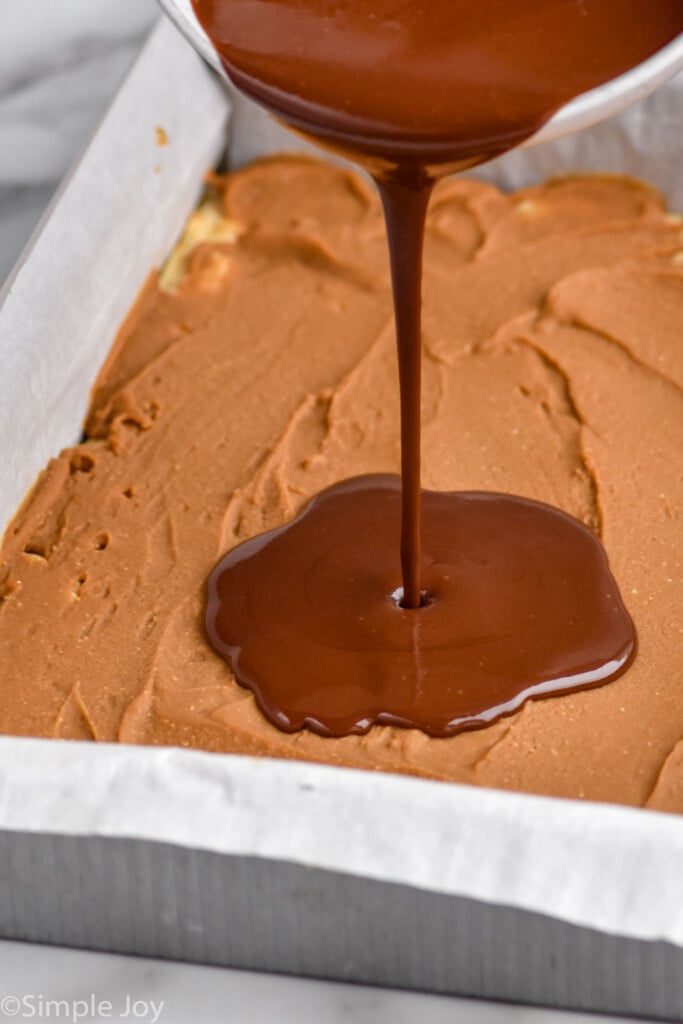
pixel 381 603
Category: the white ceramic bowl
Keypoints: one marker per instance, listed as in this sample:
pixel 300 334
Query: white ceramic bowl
pixel 582 112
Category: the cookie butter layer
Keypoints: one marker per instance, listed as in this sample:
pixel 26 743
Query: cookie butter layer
pixel 553 369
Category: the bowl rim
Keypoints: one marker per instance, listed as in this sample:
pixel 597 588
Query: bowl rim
pixel 585 110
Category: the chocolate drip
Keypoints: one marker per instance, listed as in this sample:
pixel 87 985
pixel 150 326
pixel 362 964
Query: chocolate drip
pixel 405 207
pixel 412 96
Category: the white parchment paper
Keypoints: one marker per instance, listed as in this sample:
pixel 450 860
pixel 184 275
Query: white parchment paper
pixel 606 867
pixel 115 217
pixel 609 868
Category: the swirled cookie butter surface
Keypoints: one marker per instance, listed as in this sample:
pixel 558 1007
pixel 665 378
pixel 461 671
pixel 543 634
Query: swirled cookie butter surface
pixel 261 369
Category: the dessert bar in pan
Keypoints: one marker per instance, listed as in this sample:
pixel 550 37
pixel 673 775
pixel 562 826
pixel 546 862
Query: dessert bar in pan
pixel 281 864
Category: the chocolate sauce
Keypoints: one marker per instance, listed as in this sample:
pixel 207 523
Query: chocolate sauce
pixel 399 82
pixel 411 93
pixel 520 604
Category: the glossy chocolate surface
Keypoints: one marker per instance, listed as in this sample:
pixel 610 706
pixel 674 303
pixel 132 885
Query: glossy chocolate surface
pixel 518 603
pixel 412 93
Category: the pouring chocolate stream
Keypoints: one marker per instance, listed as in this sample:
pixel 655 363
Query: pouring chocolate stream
pixel 518 598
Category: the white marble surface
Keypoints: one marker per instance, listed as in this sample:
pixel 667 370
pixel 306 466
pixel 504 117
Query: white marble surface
pixel 128 989
pixel 60 62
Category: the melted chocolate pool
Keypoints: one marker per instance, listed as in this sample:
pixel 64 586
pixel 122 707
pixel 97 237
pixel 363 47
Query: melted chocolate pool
pixel 510 599
pixel 518 603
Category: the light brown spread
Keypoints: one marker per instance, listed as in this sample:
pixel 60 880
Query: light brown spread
pixel 553 369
